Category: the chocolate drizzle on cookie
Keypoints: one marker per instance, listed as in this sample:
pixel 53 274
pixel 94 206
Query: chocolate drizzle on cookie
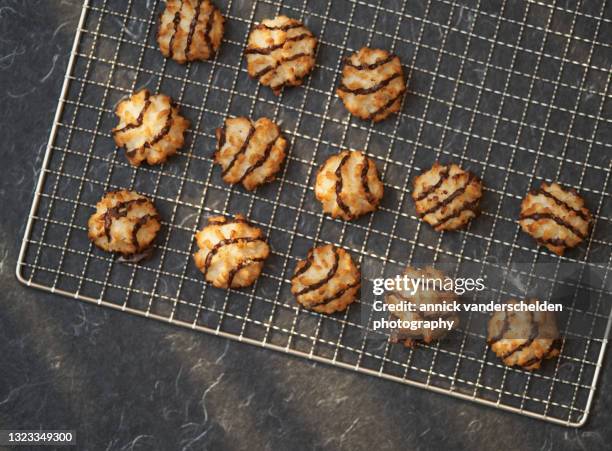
pixel 348 185
pixel 140 119
pixel 432 188
pixel 514 346
pixel 287 56
pixel 282 60
pixel 558 220
pixel 192 27
pixel 447 197
pixel 326 281
pixel 231 252
pixel 555 217
pixel 253 159
pixel 120 210
pixel 365 183
pixel 334 297
pixel 207 30
pixel 260 161
pixel 157 132
pixel 125 222
pixel 563 203
pixel 175 22
pixel 139 224
pixel 365 66
pixel 280 45
pixel 199 40
pixel 285 27
pixel 339 183
pixel 226 242
pixel 330 275
pixel 164 131
pixel 241 150
pixel 243 264
pixel 372 90
pixel 387 106
pixel 306 266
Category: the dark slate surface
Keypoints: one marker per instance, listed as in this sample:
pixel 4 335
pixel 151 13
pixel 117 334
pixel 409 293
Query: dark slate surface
pixel 127 383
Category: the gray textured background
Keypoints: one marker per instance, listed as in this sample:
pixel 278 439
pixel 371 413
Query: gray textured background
pixel 128 383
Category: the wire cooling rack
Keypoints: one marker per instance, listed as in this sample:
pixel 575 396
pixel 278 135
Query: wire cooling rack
pixel 517 92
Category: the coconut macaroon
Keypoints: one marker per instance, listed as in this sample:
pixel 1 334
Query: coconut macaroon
pixel 556 217
pixel 447 197
pixel 125 222
pixel 150 128
pixel 249 152
pixel 327 281
pixel 280 52
pixel 190 30
pixel 348 185
pixel 372 84
pixel 523 338
pixel 432 293
pixel 231 252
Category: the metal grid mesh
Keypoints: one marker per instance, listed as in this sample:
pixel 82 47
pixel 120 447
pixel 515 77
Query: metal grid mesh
pixel 492 86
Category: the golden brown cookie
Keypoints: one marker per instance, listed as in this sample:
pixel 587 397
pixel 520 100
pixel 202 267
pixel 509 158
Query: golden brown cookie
pixel 523 338
pixel 372 84
pixel 327 281
pixel 190 30
pixel 249 152
pixel 125 222
pixel 348 185
pixel 447 197
pixel 150 128
pixel 424 294
pixel 280 52
pixel 231 252
pixel 556 217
